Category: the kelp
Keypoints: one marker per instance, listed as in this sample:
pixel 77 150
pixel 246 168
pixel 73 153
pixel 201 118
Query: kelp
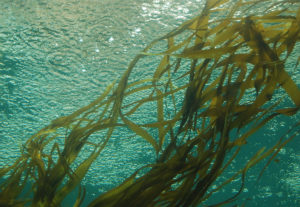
pixel 197 110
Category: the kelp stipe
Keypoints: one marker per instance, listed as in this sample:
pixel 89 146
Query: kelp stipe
pixel 228 55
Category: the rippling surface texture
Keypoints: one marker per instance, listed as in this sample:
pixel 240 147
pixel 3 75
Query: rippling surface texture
pixel 57 56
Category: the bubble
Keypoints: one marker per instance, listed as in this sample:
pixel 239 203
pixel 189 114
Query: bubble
pixel 110 39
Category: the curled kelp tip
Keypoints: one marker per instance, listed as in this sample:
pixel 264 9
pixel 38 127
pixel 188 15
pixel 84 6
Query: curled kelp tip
pixel 199 92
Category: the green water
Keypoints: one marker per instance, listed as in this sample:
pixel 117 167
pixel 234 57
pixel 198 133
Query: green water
pixel 56 57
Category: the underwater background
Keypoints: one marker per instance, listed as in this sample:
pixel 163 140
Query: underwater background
pixel 57 56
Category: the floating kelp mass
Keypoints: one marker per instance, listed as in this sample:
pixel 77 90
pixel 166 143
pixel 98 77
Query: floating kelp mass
pixel 209 67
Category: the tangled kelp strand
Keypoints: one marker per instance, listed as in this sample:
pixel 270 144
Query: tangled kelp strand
pixel 228 56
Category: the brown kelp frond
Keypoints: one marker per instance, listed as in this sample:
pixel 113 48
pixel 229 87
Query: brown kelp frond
pixel 247 52
pixel 236 66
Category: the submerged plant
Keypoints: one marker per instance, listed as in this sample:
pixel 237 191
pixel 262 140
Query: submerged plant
pixel 209 66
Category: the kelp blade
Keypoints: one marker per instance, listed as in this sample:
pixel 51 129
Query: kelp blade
pixel 195 110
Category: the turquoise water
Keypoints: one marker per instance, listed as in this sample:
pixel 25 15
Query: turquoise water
pixel 57 57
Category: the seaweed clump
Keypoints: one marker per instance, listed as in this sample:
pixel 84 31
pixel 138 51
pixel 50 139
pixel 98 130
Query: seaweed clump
pixel 229 56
